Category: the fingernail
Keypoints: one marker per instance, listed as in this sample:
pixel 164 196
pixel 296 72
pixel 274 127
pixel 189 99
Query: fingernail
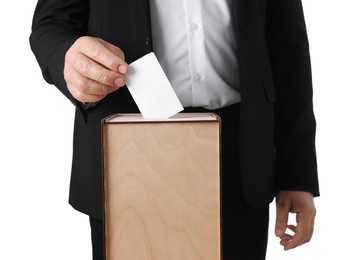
pixel 119 82
pixel 122 69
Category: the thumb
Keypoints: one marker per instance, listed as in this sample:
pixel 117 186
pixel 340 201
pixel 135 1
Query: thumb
pixel 281 220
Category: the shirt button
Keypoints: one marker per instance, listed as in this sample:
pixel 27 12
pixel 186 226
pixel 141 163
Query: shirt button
pixel 147 40
pixel 197 77
pixel 194 27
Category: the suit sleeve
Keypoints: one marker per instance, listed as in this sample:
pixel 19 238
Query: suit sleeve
pixel 296 166
pixel 55 27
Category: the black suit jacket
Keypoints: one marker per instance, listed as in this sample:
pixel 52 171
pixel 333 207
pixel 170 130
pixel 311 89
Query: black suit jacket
pixel 277 124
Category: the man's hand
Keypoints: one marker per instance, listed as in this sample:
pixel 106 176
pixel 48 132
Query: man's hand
pixel 302 204
pixel 94 68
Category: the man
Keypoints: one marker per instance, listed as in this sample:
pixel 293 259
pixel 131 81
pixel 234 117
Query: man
pixel 246 60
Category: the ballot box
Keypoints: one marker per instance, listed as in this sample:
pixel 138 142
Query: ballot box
pixel 161 178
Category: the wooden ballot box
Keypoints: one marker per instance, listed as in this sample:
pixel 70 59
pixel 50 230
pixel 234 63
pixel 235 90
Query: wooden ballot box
pixel 162 187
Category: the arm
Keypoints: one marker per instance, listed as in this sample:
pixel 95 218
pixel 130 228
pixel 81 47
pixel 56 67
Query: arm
pixel 83 68
pixel 296 167
pixel 56 26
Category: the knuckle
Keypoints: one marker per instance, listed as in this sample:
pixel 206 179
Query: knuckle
pixel 76 94
pixel 85 67
pixel 79 96
pixel 112 63
pixel 104 77
pixel 68 55
pixel 81 41
pixel 121 53
pixel 119 50
pixel 96 50
pixel 81 85
pixel 77 45
pixel 66 75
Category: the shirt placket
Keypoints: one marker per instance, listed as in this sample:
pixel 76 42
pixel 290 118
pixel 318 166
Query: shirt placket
pixel 196 50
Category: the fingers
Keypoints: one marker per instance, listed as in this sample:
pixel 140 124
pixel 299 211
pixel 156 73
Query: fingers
pixel 87 90
pixel 94 68
pixel 287 237
pixel 102 52
pixel 301 236
pixel 302 204
pixel 303 231
pixel 94 71
pixel 282 211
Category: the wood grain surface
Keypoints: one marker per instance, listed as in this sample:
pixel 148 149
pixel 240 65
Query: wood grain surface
pixel 162 191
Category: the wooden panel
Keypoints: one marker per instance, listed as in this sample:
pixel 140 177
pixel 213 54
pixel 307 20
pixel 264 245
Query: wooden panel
pixel 162 191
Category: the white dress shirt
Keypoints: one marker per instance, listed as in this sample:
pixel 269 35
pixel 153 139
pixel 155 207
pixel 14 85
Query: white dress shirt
pixel 195 45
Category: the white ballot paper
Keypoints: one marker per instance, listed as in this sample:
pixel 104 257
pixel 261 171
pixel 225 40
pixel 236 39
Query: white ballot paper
pixel 151 89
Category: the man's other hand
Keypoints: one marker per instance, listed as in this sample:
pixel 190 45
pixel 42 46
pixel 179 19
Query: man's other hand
pixel 302 204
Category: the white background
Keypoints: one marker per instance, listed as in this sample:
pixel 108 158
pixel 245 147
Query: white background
pixel 36 221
